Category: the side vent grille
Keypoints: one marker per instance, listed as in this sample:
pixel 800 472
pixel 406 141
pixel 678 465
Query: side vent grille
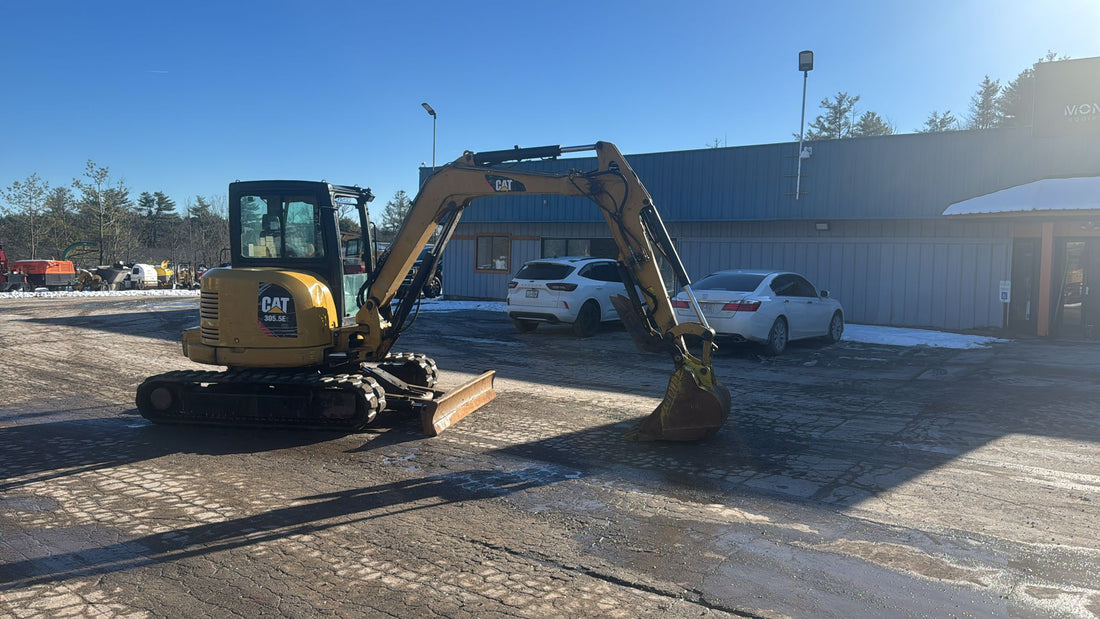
pixel 208 316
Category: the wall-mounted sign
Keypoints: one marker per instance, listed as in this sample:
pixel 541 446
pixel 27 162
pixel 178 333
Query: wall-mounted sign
pixel 1067 97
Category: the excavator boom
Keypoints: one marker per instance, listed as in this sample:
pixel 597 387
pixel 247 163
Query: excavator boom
pixel 696 404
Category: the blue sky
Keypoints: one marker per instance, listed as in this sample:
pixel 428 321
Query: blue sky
pixel 187 97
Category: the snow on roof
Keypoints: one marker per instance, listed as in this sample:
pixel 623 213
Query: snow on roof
pixel 1049 194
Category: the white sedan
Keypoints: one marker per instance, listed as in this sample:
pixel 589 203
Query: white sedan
pixel 768 307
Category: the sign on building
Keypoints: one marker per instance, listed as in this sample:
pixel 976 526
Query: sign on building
pixel 1067 97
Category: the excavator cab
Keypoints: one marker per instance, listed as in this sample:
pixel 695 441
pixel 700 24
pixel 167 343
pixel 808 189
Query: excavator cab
pixel 294 225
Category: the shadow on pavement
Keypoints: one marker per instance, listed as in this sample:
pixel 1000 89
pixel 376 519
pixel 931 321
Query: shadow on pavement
pixel 160 324
pixel 52 451
pixel 321 512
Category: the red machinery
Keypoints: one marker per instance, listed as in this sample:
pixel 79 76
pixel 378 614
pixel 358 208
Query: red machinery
pixel 31 274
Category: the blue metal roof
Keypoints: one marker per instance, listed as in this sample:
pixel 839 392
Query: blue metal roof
pixel 911 176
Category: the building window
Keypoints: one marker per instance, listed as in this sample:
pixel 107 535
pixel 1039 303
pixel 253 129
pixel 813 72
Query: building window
pixel 493 253
pixel 596 248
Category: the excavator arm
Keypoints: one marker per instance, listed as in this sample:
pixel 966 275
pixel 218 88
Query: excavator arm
pixel 696 404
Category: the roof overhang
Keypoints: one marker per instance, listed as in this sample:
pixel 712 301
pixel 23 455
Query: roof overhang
pixel 1048 197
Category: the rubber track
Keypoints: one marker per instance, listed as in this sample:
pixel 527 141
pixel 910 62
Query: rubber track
pixel 398 364
pixel 198 384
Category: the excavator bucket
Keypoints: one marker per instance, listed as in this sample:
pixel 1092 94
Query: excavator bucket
pixel 449 408
pixel 695 407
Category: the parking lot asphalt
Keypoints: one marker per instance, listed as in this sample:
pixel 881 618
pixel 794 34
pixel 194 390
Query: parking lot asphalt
pixel 850 480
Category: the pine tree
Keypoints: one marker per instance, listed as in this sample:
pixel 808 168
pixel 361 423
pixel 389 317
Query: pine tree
pixel 983 105
pixel 1016 104
pixel 936 123
pixel 395 212
pixel 146 205
pixel 163 208
pixel 870 124
pixel 208 231
pixel 836 122
pixel 59 219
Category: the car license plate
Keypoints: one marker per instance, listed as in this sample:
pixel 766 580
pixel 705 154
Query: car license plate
pixel 532 293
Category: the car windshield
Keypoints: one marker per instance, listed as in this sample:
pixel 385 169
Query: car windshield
pixel 733 282
pixel 544 270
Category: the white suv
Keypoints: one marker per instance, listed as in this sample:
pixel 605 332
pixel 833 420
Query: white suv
pixel 572 290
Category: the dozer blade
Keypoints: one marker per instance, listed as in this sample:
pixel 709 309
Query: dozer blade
pixel 695 407
pixel 449 408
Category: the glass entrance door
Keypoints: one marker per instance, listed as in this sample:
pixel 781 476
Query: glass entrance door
pixel 1077 291
pixel 1072 291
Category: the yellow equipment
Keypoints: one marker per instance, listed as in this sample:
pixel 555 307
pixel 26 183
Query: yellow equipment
pixel 165 277
pixel 308 345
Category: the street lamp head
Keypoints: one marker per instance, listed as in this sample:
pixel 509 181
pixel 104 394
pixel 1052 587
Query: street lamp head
pixel 805 61
pixel 429 109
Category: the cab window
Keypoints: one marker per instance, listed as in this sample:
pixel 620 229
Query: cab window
pixel 281 227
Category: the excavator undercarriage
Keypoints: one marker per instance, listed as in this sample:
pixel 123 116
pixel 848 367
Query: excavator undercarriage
pixel 311 399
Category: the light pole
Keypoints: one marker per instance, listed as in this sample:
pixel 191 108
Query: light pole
pixel 805 64
pixel 432 113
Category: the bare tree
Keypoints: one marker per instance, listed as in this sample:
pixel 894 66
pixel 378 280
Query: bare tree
pixel 106 209
pixel 28 201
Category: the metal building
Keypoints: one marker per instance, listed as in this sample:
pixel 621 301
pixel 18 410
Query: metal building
pixel 906 230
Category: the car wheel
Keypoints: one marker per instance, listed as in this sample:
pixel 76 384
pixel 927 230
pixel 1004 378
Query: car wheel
pixel 777 337
pixel 588 320
pixel 836 328
pixel 433 288
pixel 525 326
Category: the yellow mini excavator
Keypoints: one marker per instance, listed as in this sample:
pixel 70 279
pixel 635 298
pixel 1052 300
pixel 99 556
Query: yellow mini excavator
pixel 306 345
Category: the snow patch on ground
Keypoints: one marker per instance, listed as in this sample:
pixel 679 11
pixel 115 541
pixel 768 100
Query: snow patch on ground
pixel 866 334
pixel 896 336
pixel 46 294
pixel 443 305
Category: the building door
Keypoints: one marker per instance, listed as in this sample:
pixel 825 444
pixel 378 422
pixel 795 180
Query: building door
pixel 1023 305
pixel 1077 291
